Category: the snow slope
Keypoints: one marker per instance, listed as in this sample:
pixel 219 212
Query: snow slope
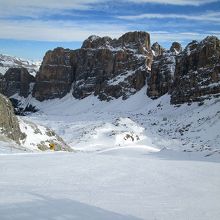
pixel 36 139
pixel 135 159
pixel 117 184
pixel 89 124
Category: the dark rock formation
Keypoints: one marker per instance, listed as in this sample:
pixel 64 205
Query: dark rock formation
pixel 162 75
pixel 197 71
pixel 9 125
pixel 55 76
pixel 176 48
pixel 103 66
pixel 189 75
pixel 16 80
pixel 162 70
pixel 157 49
pixel 113 68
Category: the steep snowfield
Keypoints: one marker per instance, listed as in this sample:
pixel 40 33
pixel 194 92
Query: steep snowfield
pixel 120 184
pixel 89 124
pixel 9 61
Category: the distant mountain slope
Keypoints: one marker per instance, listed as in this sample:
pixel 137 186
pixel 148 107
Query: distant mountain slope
pixel 7 62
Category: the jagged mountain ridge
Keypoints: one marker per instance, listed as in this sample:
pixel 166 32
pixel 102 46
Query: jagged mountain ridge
pixel 7 62
pixel 104 67
pixel 113 68
pixel 110 69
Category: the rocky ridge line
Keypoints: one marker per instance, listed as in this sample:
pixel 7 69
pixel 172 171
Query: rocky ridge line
pixel 114 68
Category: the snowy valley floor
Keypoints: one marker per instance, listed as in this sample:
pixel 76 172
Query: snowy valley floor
pixel 136 159
pixel 124 184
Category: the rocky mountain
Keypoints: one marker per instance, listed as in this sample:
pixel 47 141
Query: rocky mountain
pixel 108 68
pixel 55 75
pixel 157 49
pixel 117 69
pixel 197 71
pixel 189 75
pixel 163 67
pixel 112 68
pixel 16 80
pixel 7 62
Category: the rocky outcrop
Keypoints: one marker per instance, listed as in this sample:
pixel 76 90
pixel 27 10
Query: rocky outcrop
pixel 189 75
pixel 161 77
pixel 176 48
pixel 103 66
pixel 9 125
pixel 157 49
pixel 22 131
pixel 40 137
pixel 197 73
pixel 16 81
pixel 55 75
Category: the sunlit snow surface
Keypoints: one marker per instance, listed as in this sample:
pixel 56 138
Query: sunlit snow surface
pixel 128 184
pixel 90 125
pixel 136 159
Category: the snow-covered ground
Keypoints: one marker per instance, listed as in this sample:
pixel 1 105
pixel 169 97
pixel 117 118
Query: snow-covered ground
pixel 135 159
pixel 89 124
pixel 123 183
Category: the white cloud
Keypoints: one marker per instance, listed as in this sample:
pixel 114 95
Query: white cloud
pixel 56 30
pixel 181 37
pixel 205 17
pixel 68 31
pixel 35 8
pixel 63 30
pixel 176 2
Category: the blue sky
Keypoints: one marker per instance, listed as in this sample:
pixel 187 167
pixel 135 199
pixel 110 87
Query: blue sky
pixel 30 27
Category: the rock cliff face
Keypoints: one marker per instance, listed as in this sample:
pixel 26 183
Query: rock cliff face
pixel 187 75
pixel 9 125
pixel 22 131
pixel 197 71
pixel 16 80
pixel 55 76
pixel 162 71
pixel 157 49
pixel 162 75
pixel 113 68
pixel 176 48
pixel 103 66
